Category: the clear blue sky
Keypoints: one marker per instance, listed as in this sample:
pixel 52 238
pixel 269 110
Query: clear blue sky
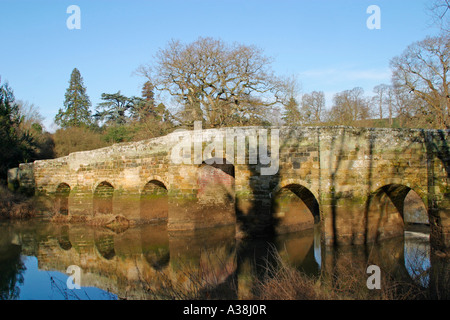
pixel 325 43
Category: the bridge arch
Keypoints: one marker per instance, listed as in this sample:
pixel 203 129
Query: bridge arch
pixel 103 198
pixel 162 180
pixel 294 207
pixel 390 207
pixel 62 198
pixel 154 201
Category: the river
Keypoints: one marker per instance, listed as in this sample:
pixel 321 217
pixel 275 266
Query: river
pixel 148 262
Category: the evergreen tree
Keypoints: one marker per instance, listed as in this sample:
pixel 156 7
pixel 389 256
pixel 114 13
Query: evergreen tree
pixel 146 109
pixel 145 106
pixel 16 145
pixel 291 115
pixel 76 111
pixel 148 93
pixel 116 109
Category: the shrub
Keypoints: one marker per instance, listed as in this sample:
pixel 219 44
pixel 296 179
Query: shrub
pixel 15 206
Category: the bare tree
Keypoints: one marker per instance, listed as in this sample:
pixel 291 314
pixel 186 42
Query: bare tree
pixel 410 110
pixel 313 105
pixel 30 114
pixel 217 83
pixel 349 106
pixel 390 98
pixel 440 14
pixel 383 101
pixel 379 99
pixel 423 70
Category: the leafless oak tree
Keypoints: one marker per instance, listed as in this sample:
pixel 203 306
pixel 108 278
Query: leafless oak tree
pixel 349 106
pixel 217 83
pixel 423 70
pixel 440 14
pixel 312 107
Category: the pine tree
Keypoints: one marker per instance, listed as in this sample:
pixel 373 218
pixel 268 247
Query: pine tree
pixel 148 94
pixel 145 108
pixel 76 111
pixel 291 115
pixel 16 145
pixel 115 108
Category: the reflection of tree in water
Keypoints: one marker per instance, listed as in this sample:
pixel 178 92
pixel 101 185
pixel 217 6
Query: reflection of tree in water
pixel 417 258
pixel 11 271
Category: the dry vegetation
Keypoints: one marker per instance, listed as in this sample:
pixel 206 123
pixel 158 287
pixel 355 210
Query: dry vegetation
pixel 347 281
pixel 15 206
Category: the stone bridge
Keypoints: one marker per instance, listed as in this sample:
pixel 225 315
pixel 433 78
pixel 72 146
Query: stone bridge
pixel 353 181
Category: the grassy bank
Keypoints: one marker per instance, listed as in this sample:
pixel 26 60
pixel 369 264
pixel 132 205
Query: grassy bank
pixel 15 206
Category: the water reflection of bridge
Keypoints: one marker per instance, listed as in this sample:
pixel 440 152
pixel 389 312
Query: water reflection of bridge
pixel 140 262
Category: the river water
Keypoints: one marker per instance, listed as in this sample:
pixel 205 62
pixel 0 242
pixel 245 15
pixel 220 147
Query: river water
pixel 147 262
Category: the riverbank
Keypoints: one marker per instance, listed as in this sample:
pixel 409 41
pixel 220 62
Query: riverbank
pixel 16 206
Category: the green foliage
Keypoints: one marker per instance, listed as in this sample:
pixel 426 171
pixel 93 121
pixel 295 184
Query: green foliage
pixel 115 134
pixel 37 128
pixel 291 115
pixel 76 111
pixel 16 145
pixel 133 118
pixel 147 104
pixel 116 108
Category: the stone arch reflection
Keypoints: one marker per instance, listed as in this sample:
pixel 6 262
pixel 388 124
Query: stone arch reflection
pixel 63 238
pixel 104 243
pixel 155 245
pixel 301 250
pixel 158 258
pixel 396 210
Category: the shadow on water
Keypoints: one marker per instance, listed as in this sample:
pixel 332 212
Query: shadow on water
pixel 146 262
